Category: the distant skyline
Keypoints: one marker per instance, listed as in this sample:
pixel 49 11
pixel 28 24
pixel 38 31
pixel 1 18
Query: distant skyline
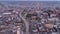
pixel 29 0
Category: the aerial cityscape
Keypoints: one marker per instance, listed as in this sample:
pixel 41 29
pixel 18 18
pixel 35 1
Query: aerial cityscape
pixel 29 17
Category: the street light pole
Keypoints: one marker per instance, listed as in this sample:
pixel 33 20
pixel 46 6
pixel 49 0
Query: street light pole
pixel 26 23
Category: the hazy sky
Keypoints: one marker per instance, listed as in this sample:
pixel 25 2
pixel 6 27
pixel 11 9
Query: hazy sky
pixel 29 0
